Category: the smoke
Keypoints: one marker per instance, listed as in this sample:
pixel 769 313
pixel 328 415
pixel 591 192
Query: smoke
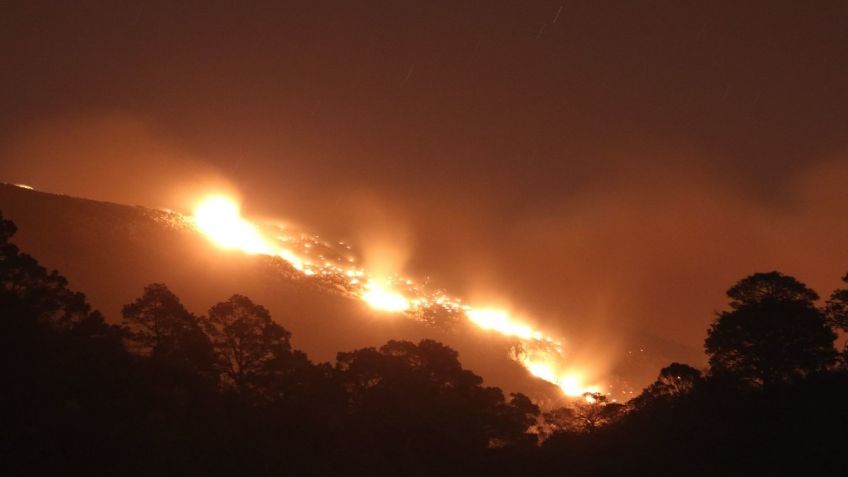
pixel 653 248
pixel 115 157
pixel 383 233
pixel 643 246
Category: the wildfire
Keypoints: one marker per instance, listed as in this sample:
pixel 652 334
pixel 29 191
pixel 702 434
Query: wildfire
pixel 219 218
pixel 500 321
pixel 569 382
pixel 384 299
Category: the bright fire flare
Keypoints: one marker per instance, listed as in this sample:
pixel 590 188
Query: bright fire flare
pixel 383 299
pixel 569 382
pixel 501 322
pixel 219 218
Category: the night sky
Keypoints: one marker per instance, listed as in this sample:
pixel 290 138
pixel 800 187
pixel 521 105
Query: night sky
pixel 605 167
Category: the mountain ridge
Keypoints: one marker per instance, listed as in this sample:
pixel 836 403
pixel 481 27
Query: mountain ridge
pixel 110 251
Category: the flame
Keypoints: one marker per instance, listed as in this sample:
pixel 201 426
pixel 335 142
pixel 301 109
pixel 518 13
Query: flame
pixel 570 382
pixel 384 299
pixel 500 321
pixel 218 217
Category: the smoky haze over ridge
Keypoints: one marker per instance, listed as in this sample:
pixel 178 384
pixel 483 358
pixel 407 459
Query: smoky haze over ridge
pixel 609 167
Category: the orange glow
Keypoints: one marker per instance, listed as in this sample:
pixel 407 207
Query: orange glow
pixel 218 217
pixel 384 299
pixel 501 322
pixel 570 382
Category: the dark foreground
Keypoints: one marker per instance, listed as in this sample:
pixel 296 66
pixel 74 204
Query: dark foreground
pixel 168 392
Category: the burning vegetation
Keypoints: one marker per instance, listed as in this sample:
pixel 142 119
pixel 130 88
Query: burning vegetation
pixel 336 266
pixel 168 391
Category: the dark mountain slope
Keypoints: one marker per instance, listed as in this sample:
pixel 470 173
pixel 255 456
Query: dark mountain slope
pixel 110 251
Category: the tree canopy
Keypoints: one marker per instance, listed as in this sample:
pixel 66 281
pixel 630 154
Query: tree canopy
pixel 248 342
pixel 837 307
pixel 158 325
pixel 173 393
pixel 674 381
pixel 773 332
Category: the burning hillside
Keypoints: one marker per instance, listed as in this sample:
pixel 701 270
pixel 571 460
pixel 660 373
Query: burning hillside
pixel 220 220
pixel 308 281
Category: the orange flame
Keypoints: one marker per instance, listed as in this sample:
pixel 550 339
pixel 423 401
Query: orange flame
pixel 381 298
pixel 219 218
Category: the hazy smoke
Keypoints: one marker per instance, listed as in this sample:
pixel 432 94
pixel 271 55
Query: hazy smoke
pixel 114 157
pixel 636 248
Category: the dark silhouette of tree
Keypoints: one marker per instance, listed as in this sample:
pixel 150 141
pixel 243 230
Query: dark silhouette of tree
pixel 160 327
pixel 75 401
pixel 769 287
pixel 250 346
pixel 405 398
pixel 557 420
pixel 33 298
pixel 28 289
pixel 674 381
pixel 66 376
pixel 837 307
pixel 521 413
pixel 596 410
pixel 774 331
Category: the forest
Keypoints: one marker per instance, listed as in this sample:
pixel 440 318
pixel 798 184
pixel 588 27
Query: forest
pixel 164 391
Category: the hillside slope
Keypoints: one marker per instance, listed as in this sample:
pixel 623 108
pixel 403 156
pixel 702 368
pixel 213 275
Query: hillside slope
pixel 110 251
